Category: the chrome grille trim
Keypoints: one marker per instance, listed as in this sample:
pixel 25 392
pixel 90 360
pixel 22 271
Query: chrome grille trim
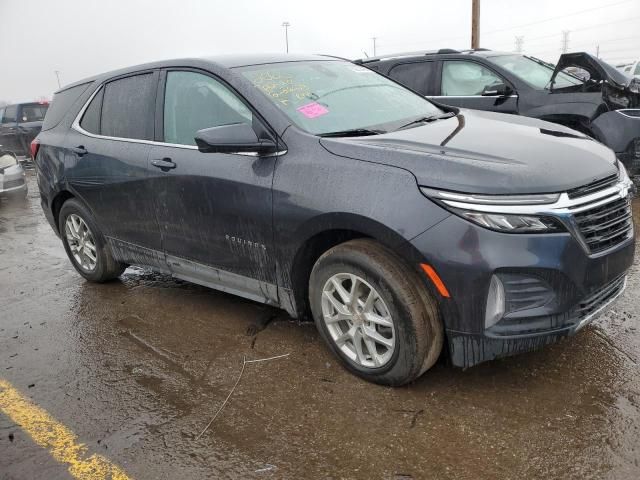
pixel 563 206
pixel 570 211
pixel 593 186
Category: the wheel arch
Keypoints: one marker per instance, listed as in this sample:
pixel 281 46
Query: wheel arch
pixel 327 231
pixel 56 205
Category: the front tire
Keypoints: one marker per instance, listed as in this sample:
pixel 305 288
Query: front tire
pixel 375 313
pixel 85 245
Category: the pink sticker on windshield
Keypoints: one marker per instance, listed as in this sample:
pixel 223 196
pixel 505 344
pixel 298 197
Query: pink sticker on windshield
pixel 313 110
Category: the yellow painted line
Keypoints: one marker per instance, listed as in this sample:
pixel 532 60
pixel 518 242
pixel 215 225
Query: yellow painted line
pixel 61 442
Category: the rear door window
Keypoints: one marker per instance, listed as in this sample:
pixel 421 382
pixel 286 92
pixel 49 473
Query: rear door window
pixel 462 78
pixel 194 101
pixel 10 114
pixel 128 107
pixel 416 75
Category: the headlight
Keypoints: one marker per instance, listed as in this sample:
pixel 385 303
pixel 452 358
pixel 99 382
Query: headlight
pixel 634 86
pixel 623 176
pixel 496 212
pixel 511 223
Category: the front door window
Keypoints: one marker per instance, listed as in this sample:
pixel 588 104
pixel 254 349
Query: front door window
pixel 461 78
pixel 193 102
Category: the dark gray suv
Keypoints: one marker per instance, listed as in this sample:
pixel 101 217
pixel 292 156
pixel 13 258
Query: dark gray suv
pixel 321 187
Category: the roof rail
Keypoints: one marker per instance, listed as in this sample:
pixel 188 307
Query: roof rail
pixel 334 56
pixel 442 51
pixel 473 50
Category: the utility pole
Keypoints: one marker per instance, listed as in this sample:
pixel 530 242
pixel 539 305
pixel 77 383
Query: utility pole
pixel 519 44
pixel 565 40
pixel 475 24
pixel 286 26
pixel 374 45
pixel 598 51
pixel 57 72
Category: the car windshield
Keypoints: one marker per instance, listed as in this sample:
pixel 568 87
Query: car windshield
pixel 324 97
pixel 534 72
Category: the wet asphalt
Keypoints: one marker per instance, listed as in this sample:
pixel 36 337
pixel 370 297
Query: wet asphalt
pixel 138 367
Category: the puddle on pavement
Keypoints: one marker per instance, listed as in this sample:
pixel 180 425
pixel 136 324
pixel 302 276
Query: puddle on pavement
pixel 139 366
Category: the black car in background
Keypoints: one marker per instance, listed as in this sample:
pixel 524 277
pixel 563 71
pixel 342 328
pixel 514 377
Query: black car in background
pixel 581 92
pixel 20 123
pixel 323 188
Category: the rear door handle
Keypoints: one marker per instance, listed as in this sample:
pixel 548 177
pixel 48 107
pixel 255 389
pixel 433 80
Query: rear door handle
pixel 79 151
pixel 163 164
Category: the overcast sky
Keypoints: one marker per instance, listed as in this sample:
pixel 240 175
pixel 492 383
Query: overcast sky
pixel 82 37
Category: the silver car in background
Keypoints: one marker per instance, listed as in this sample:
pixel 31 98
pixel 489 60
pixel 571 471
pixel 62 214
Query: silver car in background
pixel 12 176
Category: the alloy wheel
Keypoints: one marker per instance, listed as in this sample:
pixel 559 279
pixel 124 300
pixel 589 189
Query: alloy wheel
pixel 81 242
pixel 358 320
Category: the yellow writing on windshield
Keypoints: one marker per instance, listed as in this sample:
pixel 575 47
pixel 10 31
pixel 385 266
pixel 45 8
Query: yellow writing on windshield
pixel 281 86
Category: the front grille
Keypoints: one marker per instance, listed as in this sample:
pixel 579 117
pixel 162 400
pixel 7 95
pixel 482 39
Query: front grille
pixel 606 226
pixel 599 298
pixel 12 183
pixel 593 186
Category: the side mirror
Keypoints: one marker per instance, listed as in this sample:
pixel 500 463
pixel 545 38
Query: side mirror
pixel 496 90
pixel 234 138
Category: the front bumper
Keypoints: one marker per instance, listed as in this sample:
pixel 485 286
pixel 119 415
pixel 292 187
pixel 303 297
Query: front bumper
pixel 13 181
pixel 561 287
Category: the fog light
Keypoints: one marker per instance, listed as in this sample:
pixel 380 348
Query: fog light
pixel 495 303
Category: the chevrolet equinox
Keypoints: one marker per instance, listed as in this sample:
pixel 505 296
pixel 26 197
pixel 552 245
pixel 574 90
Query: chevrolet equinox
pixel 403 227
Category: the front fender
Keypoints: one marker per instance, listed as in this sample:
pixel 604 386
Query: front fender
pixel 617 129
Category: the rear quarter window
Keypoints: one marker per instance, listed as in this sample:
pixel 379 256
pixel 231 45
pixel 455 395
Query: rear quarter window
pixel 61 104
pixel 91 119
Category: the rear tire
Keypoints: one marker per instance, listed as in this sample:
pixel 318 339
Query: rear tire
pixel 392 341
pixel 85 245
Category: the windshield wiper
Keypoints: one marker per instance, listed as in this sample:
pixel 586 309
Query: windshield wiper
pixel 427 119
pixel 354 132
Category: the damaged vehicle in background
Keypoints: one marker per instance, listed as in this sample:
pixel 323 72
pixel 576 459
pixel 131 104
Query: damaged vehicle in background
pixel 321 187
pixel 20 123
pixel 581 92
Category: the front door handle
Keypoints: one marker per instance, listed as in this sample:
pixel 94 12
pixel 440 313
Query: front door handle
pixel 79 150
pixel 163 164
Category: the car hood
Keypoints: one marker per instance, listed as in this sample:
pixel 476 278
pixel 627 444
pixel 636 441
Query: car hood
pixel 486 152
pixel 598 69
